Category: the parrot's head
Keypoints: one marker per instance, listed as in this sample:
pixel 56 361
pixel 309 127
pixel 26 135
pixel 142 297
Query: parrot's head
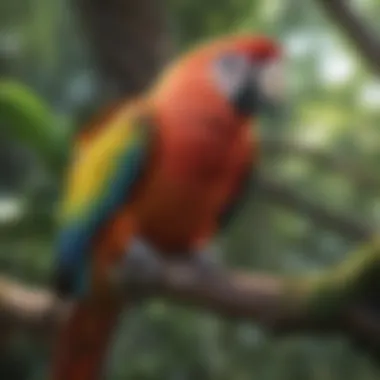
pixel 248 73
pixel 235 77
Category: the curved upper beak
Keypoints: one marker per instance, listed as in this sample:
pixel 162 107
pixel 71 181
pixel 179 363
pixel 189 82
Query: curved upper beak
pixel 271 82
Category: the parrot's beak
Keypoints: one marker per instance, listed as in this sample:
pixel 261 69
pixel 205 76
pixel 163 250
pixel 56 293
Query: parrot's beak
pixel 271 83
pixel 250 86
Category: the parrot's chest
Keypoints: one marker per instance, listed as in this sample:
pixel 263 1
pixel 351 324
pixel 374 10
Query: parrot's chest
pixel 194 178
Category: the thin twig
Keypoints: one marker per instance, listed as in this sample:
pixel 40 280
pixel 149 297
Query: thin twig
pixel 358 174
pixel 365 39
pixel 284 196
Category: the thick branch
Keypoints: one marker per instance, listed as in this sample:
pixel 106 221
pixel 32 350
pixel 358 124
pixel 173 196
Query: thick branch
pixel 260 298
pixel 365 39
pixel 26 309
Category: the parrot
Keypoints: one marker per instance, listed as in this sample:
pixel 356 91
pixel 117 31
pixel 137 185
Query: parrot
pixel 160 175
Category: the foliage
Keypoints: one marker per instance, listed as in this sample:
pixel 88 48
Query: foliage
pixel 30 121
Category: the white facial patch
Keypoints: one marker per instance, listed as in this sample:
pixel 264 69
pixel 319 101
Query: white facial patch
pixel 272 81
pixel 230 73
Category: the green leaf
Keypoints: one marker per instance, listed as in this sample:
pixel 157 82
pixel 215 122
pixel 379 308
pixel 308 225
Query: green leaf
pixel 29 120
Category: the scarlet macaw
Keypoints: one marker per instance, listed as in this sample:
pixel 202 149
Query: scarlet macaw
pixel 163 174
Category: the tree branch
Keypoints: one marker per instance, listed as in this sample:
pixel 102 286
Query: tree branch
pixel 362 35
pixel 357 174
pixel 129 40
pixel 257 297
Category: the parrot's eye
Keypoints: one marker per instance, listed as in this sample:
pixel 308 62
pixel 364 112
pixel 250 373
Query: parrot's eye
pixel 251 86
pixel 231 71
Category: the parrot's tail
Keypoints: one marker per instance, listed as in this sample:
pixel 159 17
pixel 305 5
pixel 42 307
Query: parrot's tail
pixel 81 349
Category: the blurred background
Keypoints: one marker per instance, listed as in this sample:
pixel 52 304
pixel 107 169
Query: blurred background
pixel 73 56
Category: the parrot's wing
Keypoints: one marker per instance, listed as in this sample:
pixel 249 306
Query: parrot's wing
pixel 102 179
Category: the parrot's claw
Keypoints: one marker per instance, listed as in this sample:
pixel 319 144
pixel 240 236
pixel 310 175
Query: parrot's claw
pixel 142 266
pixel 207 261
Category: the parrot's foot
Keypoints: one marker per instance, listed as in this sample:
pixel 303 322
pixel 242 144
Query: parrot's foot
pixel 206 260
pixel 142 267
pixel 143 262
